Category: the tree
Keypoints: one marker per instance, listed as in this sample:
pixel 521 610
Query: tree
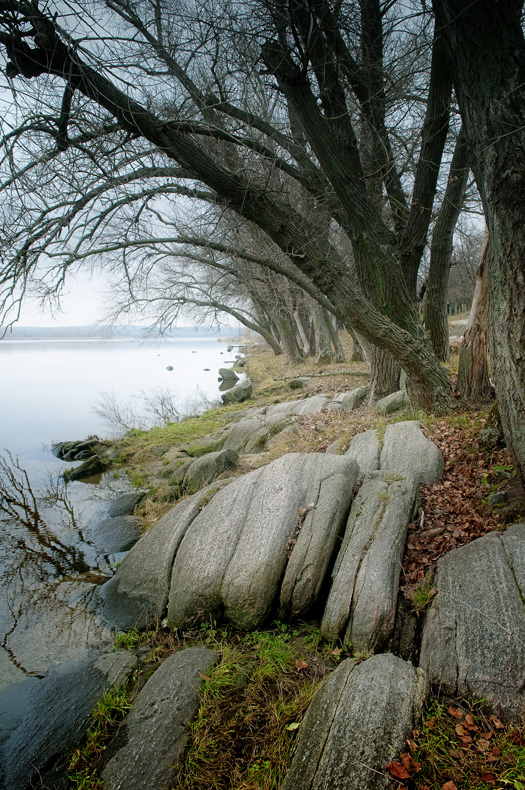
pixel 316 157
pixel 486 47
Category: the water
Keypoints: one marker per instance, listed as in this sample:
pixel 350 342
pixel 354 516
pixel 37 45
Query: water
pixel 48 390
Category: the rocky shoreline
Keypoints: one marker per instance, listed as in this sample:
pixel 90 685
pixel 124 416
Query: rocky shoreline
pixel 289 540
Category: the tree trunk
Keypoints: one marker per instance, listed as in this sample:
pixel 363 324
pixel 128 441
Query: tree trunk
pixel 338 348
pixel 357 351
pixel 289 340
pixel 323 340
pixel 435 316
pixel 384 374
pixel 486 45
pixel 302 334
pixel 473 373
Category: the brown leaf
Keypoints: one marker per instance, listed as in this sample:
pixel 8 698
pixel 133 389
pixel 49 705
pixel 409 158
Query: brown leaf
pixel 455 754
pixel 470 721
pixel 461 730
pixel 495 752
pixel 449 786
pixel 412 745
pixel 431 723
pixel 489 778
pixel 455 712
pixel 410 764
pixel 483 745
pixel 396 769
pixel 300 665
pixel 496 722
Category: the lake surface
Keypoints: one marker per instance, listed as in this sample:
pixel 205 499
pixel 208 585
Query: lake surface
pixel 48 391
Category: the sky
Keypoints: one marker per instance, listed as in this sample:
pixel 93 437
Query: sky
pixel 82 304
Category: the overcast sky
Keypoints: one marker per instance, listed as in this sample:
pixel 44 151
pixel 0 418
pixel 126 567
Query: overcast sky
pixel 82 304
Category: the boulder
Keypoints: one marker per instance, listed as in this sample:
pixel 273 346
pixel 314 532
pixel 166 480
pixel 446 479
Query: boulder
pixel 474 633
pixel 57 716
pixel 394 402
pixel 227 374
pixel 364 449
pixel 351 400
pixel 93 466
pixel 407 451
pixel 200 471
pixel 113 535
pixel 124 504
pixel 152 738
pixel 234 555
pixel 241 392
pixel 357 723
pixel 138 592
pixel 362 600
pixel 299 407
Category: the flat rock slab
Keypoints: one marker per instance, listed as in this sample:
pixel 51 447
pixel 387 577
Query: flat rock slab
pixel 138 592
pixel 365 449
pixel 407 451
pixel 153 736
pixel 357 723
pixel 234 555
pixel 362 599
pixel 57 716
pixel 474 633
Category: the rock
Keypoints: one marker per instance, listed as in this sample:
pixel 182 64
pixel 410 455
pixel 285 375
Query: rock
pixel 363 596
pixel 57 716
pixel 351 400
pixel 113 535
pixel 138 592
pixel 357 723
pixel 299 407
pixel 246 436
pixel 227 374
pixel 233 558
pixel 241 392
pixel 393 402
pixel 169 367
pixel 408 452
pixel 364 449
pixel 474 633
pixel 69 451
pixel 299 383
pixel 93 466
pixel 200 471
pixel 497 498
pixel 124 504
pixel 153 736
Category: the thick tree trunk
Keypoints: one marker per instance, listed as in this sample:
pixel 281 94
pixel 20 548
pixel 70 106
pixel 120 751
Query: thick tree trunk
pixel 384 374
pixel 323 341
pixel 336 343
pixel 487 48
pixel 289 340
pixel 302 334
pixel 435 306
pixel 473 372
pixel 357 350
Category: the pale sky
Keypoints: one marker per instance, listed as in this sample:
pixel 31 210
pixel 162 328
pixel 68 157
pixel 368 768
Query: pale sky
pixel 82 304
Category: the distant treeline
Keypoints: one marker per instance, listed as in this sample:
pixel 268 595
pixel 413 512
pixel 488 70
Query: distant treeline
pixel 110 332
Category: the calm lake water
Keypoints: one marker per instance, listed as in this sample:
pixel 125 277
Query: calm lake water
pixel 48 390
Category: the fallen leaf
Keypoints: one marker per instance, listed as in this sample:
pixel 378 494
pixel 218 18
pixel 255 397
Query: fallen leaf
pixel 483 745
pixel 293 726
pixel 300 665
pixel 454 753
pixel 431 723
pixel 461 730
pixel 497 723
pixel 397 770
pixel 489 778
pixel 412 745
pixel 449 786
pixel 455 712
pixel 410 764
pixel 204 677
pixel 470 721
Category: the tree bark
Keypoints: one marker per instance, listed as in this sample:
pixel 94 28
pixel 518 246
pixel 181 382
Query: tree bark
pixel 473 371
pixel 487 49
pixel 435 316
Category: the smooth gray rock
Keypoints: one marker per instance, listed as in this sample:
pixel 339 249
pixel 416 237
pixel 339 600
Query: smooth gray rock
pixel 474 633
pixel 200 471
pixel 153 736
pixel 299 407
pixel 238 394
pixel 113 535
pixel 124 504
pixel 364 449
pixel 227 374
pixel 246 436
pixel 356 724
pixel 407 451
pixel 90 468
pixel 394 402
pixel 138 592
pixel 351 400
pixel 57 716
pixel 233 557
pixel 362 599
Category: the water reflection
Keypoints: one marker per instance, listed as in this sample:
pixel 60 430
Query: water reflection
pixel 49 571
